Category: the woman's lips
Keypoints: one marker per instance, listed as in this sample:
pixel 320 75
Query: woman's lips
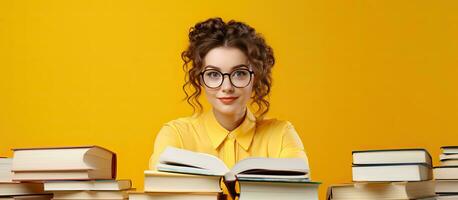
pixel 227 100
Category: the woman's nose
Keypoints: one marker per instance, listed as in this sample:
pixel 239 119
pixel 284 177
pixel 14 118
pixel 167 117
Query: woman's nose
pixel 227 85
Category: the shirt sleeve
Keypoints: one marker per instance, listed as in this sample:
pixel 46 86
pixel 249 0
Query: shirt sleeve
pixel 292 146
pixel 167 136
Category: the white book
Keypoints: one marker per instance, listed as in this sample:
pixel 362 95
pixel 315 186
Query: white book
pixel 252 190
pixel 391 156
pixel 90 195
pixel 173 182
pixel 5 170
pixel 28 197
pixel 427 198
pixel 88 185
pixel 449 162
pixel 449 149
pixel 447 186
pixel 10 189
pixel 448 157
pixel 174 196
pixel 61 175
pixel 184 161
pixel 63 163
pixel 382 190
pixel 5 161
pixel 446 172
pixel 398 172
pixel 447 197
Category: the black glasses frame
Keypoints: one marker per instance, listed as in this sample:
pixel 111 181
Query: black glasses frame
pixel 224 74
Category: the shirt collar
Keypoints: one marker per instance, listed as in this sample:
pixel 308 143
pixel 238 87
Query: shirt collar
pixel 243 133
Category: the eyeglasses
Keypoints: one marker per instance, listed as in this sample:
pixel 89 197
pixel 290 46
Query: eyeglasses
pixel 239 78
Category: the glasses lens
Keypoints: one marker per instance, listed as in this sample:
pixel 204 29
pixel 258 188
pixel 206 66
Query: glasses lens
pixel 212 78
pixel 241 77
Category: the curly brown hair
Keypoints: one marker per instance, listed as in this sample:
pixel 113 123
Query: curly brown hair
pixel 214 32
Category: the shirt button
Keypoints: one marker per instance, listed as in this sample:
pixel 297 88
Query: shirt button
pixel 230 136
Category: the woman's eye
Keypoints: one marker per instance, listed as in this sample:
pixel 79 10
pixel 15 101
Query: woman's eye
pixel 213 74
pixel 240 73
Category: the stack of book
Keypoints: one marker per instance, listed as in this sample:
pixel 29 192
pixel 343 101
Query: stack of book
pixel 388 174
pixel 446 174
pixel 184 174
pixel 83 172
pixel 10 190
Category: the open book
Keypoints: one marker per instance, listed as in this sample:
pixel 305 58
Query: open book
pixel 259 169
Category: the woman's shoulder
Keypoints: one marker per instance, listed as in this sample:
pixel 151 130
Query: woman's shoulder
pixel 273 124
pixel 182 123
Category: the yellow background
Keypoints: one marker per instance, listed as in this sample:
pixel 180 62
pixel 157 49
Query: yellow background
pixel 350 75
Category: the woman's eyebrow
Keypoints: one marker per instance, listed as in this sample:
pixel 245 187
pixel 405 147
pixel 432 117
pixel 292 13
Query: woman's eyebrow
pixel 234 67
pixel 239 66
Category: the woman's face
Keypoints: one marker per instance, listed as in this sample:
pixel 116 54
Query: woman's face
pixel 227 99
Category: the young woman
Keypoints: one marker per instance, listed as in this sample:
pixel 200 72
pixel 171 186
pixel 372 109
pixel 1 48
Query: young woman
pixel 232 64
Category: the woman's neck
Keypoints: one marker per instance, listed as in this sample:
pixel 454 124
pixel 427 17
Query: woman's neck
pixel 230 122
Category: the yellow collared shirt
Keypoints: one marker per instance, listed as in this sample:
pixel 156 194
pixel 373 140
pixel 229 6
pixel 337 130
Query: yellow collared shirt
pixel 253 138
